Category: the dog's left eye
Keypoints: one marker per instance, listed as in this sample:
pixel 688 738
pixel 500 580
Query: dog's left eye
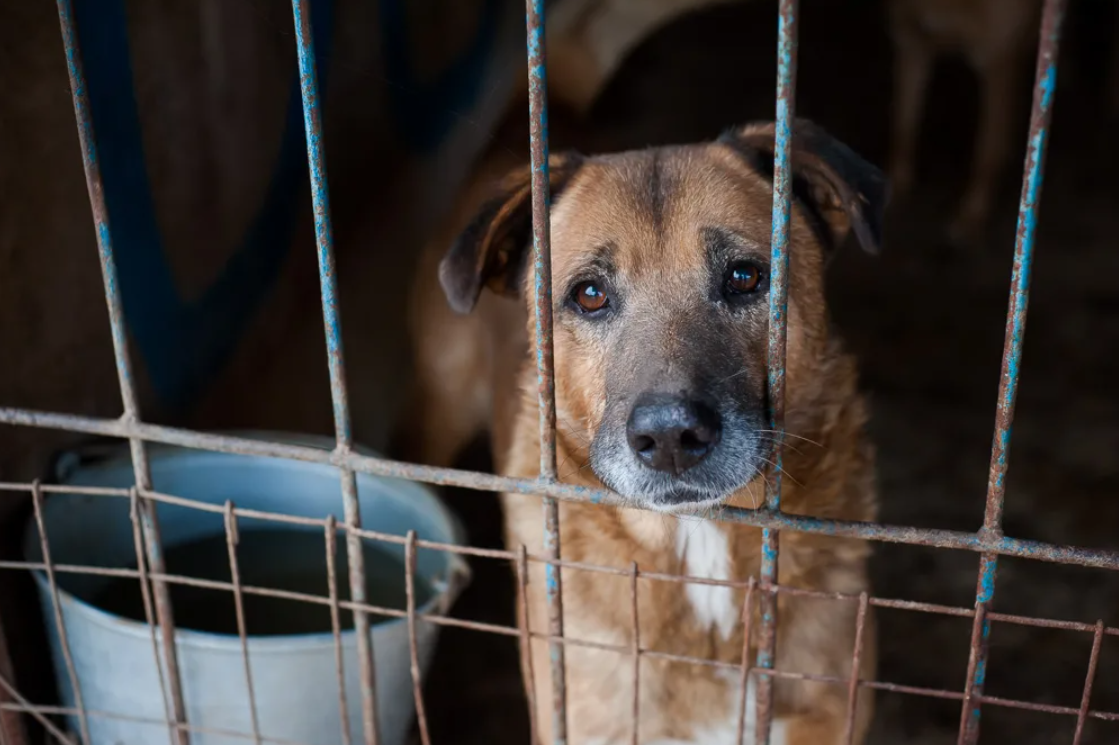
pixel 590 297
pixel 742 278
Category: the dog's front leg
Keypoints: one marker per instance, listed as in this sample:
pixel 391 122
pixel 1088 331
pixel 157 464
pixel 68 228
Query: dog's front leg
pixel 998 76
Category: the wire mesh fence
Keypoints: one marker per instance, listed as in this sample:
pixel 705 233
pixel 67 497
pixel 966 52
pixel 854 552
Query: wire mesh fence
pixel 155 580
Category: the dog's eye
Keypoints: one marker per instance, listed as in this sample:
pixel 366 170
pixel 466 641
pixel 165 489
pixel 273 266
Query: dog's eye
pixel 589 297
pixel 742 278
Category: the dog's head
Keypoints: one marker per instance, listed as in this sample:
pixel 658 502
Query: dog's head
pixel 661 278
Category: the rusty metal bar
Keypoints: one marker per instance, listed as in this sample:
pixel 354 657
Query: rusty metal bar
pixel 324 240
pixel 635 650
pixel 744 677
pixel 906 605
pixel 1041 115
pixel 232 538
pixel 331 540
pixel 56 606
pixel 134 512
pixel 1089 681
pixel 778 327
pixel 856 663
pixel 526 644
pixel 954 539
pixel 150 523
pixel 413 648
pixel 545 372
pixel 40 712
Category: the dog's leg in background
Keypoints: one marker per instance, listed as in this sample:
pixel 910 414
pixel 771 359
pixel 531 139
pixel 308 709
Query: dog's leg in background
pixel 998 78
pixel 913 60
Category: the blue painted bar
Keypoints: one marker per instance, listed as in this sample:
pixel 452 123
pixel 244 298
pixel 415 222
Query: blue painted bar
pixel 778 327
pixel 545 371
pixel 324 242
pixel 95 186
pixel 1028 207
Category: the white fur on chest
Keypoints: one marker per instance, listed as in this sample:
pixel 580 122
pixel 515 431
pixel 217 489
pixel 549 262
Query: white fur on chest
pixel 702 546
pixel 723 732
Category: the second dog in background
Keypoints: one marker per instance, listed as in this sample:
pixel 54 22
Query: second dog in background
pixel 996 38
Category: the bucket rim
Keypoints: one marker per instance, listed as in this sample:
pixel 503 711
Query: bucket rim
pixel 447 588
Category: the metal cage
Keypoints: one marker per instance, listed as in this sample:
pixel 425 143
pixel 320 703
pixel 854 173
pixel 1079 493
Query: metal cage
pixel 989 541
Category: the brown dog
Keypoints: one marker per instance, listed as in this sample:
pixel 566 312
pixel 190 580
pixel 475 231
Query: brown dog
pixel 660 274
pixel 995 37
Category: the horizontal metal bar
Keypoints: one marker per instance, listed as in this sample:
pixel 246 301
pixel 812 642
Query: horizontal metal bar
pixel 41 711
pixel 954 539
pixel 1107 716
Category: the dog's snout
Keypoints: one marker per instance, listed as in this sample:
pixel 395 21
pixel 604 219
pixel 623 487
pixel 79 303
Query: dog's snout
pixel 672 433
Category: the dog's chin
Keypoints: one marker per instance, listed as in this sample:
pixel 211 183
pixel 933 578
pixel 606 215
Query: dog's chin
pixel 678 499
pixel 684 502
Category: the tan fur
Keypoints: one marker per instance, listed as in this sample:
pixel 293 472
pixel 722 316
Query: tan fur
pixel 468 363
pixel 995 37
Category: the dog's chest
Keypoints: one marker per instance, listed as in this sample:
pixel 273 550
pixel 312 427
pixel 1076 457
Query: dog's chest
pixel 704 551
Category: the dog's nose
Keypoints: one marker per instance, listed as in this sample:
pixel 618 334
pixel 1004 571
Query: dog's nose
pixel 672 433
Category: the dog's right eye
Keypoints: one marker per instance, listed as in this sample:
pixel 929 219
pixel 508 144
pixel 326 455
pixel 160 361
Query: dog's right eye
pixel 589 297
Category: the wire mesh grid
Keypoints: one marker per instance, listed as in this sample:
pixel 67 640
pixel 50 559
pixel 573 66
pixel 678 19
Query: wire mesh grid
pixel 763 591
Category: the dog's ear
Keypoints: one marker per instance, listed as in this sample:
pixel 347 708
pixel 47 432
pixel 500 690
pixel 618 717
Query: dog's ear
pixel 842 191
pixel 493 249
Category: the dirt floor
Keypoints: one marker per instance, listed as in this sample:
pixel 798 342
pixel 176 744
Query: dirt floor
pixel 927 321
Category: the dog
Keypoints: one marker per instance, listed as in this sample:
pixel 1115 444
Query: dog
pixel 660 275
pixel 995 37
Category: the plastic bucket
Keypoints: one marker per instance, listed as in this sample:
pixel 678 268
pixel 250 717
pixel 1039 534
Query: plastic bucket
pixel 294 675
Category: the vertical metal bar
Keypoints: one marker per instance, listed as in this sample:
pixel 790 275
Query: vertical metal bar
pixel 324 239
pixel 856 665
pixel 636 650
pixel 92 168
pixel 1089 681
pixel 56 605
pixel 149 614
pixel 232 538
pixel 527 668
pixel 413 648
pixel 1041 115
pixel 778 308
pixel 542 296
pixel 331 537
pixel 744 679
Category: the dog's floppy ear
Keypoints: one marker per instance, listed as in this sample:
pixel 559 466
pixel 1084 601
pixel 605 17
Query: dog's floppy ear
pixel 842 191
pixel 492 250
